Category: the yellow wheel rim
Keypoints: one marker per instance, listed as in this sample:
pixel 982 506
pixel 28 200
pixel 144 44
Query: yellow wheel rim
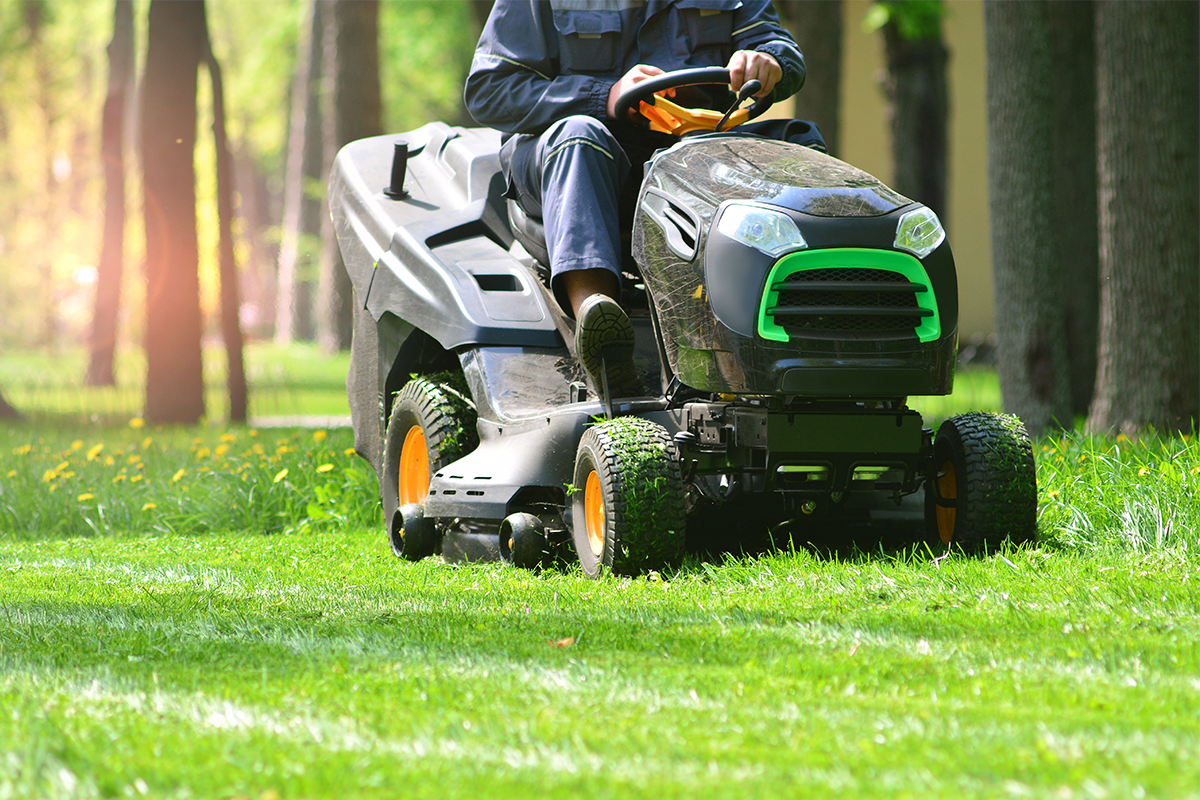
pixel 414 467
pixel 593 513
pixel 948 490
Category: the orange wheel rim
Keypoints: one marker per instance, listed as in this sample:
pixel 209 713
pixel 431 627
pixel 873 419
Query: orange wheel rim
pixel 414 467
pixel 593 513
pixel 948 490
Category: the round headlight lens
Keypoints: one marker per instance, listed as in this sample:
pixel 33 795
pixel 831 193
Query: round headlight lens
pixel 919 232
pixel 770 232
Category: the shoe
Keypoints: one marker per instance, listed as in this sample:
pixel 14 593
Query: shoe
pixel 604 341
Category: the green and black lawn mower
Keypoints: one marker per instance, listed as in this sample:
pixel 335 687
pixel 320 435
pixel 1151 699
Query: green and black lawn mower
pixel 786 305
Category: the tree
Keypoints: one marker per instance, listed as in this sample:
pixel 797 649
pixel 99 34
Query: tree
pixel 1075 221
pixel 817 26
pixel 231 329
pixel 176 41
pixel 6 410
pixel 300 243
pixel 918 105
pixel 1032 357
pixel 357 113
pixel 1148 92
pixel 112 153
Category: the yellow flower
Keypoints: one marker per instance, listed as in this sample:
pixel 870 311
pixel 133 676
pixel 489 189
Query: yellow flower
pixel 1143 472
pixel 280 475
pixel 1122 438
pixel 175 478
pixel 1053 493
pixel 221 450
pixel 1196 470
pixel 136 423
pixel 228 437
pixel 23 450
pixel 147 442
pixel 95 451
pixel 119 478
pixel 149 506
pixel 258 448
pixel 77 444
pixel 49 475
pixel 135 479
pixel 349 451
pixel 325 468
pixel 203 452
pixel 109 461
pixel 319 436
pixel 12 473
pixel 85 497
pixel 253 432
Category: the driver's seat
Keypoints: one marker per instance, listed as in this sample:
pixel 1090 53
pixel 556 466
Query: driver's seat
pixel 530 232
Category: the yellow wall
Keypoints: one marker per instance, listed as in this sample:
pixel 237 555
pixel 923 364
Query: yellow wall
pixel 865 142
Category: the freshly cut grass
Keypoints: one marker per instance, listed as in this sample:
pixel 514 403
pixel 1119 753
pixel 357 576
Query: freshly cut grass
pixel 157 641
pixel 314 664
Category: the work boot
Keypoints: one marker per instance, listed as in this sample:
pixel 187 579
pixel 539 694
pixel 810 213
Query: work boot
pixel 604 340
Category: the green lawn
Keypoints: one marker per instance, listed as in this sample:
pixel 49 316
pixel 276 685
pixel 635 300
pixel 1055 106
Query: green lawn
pixel 215 612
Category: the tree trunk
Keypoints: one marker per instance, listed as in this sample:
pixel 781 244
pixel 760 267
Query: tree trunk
pixel 1075 221
pixel 299 248
pixel 6 410
pixel 1148 91
pixel 174 373
pixel 112 152
pixel 1032 356
pixel 357 113
pixel 915 85
pixel 231 328
pixel 817 26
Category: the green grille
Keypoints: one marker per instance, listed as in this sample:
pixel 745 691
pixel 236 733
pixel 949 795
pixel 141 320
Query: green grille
pixel 848 294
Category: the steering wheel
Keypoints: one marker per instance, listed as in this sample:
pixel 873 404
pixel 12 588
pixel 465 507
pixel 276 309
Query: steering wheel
pixel 660 114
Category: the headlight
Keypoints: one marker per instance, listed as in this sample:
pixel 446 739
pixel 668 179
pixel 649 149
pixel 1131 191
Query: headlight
pixel 919 232
pixel 768 231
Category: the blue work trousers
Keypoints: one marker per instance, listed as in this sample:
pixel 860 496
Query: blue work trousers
pixel 579 178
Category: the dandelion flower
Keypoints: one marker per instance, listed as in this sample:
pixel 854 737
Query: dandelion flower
pixel 149 506
pixel 136 423
pixel 83 498
pixel 1196 470
pixel 203 452
pixel 1053 493
pixel 228 437
pixel 12 473
pixel 319 436
pixel 349 451
pixel 95 451
pixel 119 478
pixel 49 475
pixel 1143 472
pixel 280 475
pixel 178 475
pixel 77 444
pixel 221 450
pixel 135 479
pixel 147 442
pixel 325 468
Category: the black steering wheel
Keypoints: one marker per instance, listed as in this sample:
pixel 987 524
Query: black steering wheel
pixel 668 117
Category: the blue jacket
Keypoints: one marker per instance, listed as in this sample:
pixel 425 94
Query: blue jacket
pixel 539 61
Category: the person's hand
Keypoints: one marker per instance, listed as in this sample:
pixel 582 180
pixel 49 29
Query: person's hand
pixel 636 75
pixel 748 65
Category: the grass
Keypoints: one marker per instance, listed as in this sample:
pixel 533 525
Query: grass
pixel 233 624
pixel 284 381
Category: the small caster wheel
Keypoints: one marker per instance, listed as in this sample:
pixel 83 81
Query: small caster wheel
pixel 413 537
pixel 523 541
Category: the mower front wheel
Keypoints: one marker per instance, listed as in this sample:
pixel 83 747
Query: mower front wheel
pixel 628 505
pixel 985 486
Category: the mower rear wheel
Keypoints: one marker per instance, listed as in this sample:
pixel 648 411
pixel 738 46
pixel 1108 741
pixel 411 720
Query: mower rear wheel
pixel 431 426
pixel 985 487
pixel 628 507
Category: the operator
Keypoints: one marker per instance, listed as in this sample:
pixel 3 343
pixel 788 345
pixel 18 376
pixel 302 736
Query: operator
pixel 547 74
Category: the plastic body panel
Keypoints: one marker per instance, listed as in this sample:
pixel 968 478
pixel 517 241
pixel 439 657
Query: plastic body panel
pixel 707 305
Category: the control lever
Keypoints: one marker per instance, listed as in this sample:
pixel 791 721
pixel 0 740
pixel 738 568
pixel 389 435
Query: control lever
pixel 749 89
